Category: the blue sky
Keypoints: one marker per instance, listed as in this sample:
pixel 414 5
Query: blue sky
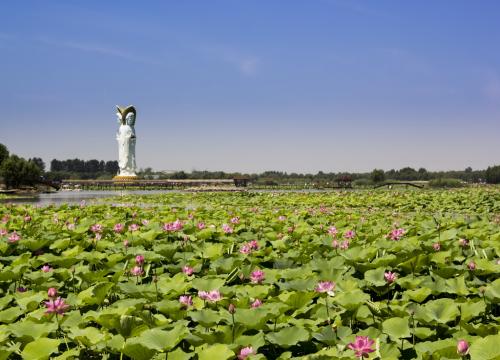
pixel 254 85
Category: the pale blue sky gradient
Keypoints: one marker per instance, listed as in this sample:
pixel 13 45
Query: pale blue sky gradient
pixel 331 85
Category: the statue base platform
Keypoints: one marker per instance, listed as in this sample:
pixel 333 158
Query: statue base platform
pixel 123 178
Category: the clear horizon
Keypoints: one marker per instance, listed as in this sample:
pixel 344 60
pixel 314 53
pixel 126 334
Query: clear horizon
pixel 250 86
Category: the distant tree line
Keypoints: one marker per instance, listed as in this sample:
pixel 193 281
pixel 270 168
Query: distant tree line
pixel 17 171
pixel 491 175
pixel 82 169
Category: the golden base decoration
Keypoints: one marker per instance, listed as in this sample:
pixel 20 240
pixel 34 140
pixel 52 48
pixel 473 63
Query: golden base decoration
pixel 121 178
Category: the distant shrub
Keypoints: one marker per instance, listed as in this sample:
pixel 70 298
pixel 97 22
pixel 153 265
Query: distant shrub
pixel 362 182
pixel 446 183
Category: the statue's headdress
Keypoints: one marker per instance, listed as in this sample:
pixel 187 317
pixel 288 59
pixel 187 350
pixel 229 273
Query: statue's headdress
pixel 124 111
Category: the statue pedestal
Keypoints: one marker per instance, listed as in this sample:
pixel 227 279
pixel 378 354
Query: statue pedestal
pixel 124 178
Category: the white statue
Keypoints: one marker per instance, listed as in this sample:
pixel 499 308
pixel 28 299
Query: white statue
pixel 126 141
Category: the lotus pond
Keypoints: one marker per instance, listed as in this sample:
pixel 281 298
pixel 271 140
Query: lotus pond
pixel 340 275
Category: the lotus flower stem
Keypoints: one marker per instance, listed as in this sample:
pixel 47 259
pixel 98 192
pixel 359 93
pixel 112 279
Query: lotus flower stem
pixel 327 310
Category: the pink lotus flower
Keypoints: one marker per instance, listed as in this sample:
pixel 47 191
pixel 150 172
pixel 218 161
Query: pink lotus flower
pixel 235 220
pixel 211 296
pixel 145 222
pixel 245 249
pixel 137 271
pixel 71 226
pixel 362 346
pixel 186 301
pixel 14 237
pixel 257 303
pixel 245 352
pixel 57 306
pixel 471 265
pixel 291 229
pixel 126 243
pixel 397 234
pixel 325 287
pixel 188 270
pixel 332 230
pixel 231 308
pixel 462 347
pixel 282 218
pixel 3 232
pixel 254 245
pixel 96 228
pixel 46 268
pixel 390 277
pixel 5 219
pixel 27 218
pixel 173 226
pixel 463 243
pixel 227 229
pixel 118 228
pixel 98 236
pixel 133 227
pixel 21 289
pixel 201 225
pixel 52 292
pixel 139 260
pixel 436 246
pixel 257 276
pixel 335 244
pixel 349 234
pixel 344 245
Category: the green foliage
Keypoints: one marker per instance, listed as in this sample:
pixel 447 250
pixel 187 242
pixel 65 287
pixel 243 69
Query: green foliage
pixel 377 175
pixel 446 183
pixel 4 153
pixel 435 300
pixel 492 174
pixel 17 171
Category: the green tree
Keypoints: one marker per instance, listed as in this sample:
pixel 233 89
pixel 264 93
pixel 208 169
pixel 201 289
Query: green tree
pixel 377 175
pixel 38 162
pixel 493 174
pixel 17 171
pixel 4 153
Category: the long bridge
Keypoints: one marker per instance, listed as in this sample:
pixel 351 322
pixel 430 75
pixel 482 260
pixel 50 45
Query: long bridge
pixel 148 184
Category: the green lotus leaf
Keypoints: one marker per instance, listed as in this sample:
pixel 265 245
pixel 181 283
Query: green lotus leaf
pixel 205 317
pixel 134 348
pixel 493 291
pixel 424 333
pixel 486 348
pixel 31 330
pixel 396 328
pixel 253 318
pixel 327 336
pixel 376 277
pixel 211 352
pixel 95 294
pixel 256 341
pixel 288 336
pixel 457 286
pixel 447 346
pixel 470 310
pixel 10 314
pixel 40 349
pixel 178 354
pixel 351 300
pixel 70 354
pixel 208 283
pixel 418 295
pixel 29 301
pixel 89 336
pixel 441 311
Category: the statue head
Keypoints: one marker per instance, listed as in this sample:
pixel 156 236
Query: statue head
pixel 126 116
